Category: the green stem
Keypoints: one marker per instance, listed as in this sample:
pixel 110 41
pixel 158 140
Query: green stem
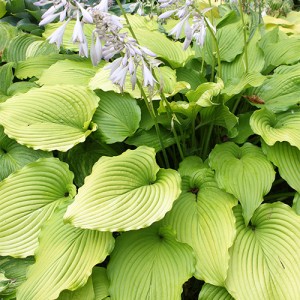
pixel 236 104
pixel 177 142
pixel 207 140
pixel 245 36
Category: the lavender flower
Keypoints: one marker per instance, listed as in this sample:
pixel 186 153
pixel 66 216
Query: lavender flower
pixel 185 13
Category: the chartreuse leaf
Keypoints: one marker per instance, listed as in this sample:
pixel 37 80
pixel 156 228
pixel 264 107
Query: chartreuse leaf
pixel 243 129
pixel 287 159
pixel 212 292
pixel 117 116
pixel 202 218
pixel 230 42
pixel 68 72
pixel 2 8
pixel 96 288
pixel 170 51
pixel 190 165
pixel 64 259
pixel 27 45
pixel 14 156
pixel 265 258
pixel 50 118
pixel 29 197
pixel 35 66
pixel 6 77
pixel 280 91
pixel 124 192
pixel 296 203
pixel 8 32
pixel 149 264
pixel 244 172
pixel 282 127
pixel 204 93
pixel 236 69
pixel 20 87
pixel 15 271
pixel 283 52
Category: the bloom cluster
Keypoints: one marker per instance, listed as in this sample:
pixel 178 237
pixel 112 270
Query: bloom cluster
pixel 107 40
pixel 186 11
pixel 66 10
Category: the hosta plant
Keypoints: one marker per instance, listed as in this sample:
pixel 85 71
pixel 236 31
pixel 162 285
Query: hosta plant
pixel 162 162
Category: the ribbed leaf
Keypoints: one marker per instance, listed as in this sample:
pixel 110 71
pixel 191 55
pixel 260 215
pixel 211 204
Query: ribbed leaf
pixel 2 8
pixel 287 159
pixel 243 129
pixel 283 127
pixel 265 258
pixel 167 49
pixel 124 192
pixel 149 264
pixel 28 198
pixel 235 69
pixel 211 292
pixel 68 72
pixel 230 42
pixel 204 93
pixel 35 66
pixel 202 218
pixel 8 32
pixel 283 52
pixel 296 203
pixel 281 91
pixel 20 87
pixel 64 259
pixel 18 47
pixel 100 283
pixel 244 172
pixel 6 77
pixel 190 165
pixel 14 270
pixel 117 116
pixel 193 77
pixel 60 120
pixel 14 156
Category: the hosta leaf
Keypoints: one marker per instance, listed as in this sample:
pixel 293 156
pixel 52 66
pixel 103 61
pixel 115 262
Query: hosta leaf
pixel 59 121
pixel 243 128
pixel 14 156
pixel 2 8
pixel 235 69
pixel 283 52
pixel 265 258
pixel 287 159
pixel 166 49
pixel 15 271
pixel 203 95
pixel 280 91
pixel 117 116
pixel 20 87
pixel 244 172
pixel 6 77
pixel 230 42
pixel 149 264
pixel 96 288
pixel 124 192
pixel 190 165
pixel 296 203
pixel 149 138
pixel 212 292
pixel 237 85
pixel 193 77
pixel 29 197
pixel 8 32
pixel 283 127
pixel 68 72
pixel 136 21
pixel 83 156
pixel 64 259
pixel 35 66
pixel 202 218
pixel 18 47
